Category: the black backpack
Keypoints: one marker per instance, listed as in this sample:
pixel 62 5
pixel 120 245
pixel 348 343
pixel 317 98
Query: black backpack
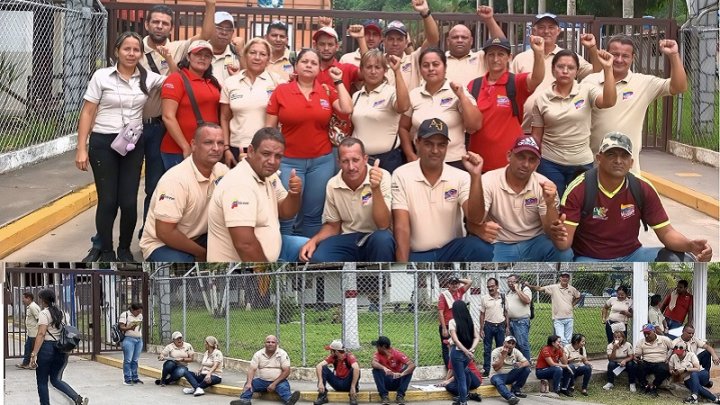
pixel 509 89
pixel 116 335
pixel 68 339
pixel 591 190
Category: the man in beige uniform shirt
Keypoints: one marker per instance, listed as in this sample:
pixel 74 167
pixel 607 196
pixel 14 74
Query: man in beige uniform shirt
pixel 268 372
pixel 563 298
pixel 246 207
pixel 32 315
pixel 493 321
pixel 547 26
pixel 177 227
pixel 224 63
pixel 651 354
pixel 635 92
pixel 705 352
pixel 280 57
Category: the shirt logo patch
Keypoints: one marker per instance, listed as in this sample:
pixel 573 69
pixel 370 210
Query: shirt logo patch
pixel 164 196
pixel 288 68
pixel 473 60
pixel 406 67
pixel 503 101
pixel 627 210
pixel 446 101
pixel 600 213
pixel 218 180
pixel 366 197
pixel 451 194
pixel 627 95
pixel 324 104
pixel 269 90
pixel 235 96
pixel 378 103
pixel 531 201
pixel 579 104
pixel 169 86
pixel 237 203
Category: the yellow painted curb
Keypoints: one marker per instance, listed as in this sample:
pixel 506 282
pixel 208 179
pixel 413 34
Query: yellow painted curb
pixel 683 195
pixel 19 233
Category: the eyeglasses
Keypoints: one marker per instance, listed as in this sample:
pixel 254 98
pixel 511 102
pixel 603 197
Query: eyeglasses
pixel 340 351
pixel 224 30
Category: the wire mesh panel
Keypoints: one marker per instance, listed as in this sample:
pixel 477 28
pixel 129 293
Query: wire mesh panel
pixel 47 56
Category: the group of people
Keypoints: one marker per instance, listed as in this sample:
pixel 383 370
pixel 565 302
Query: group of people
pixel 240 165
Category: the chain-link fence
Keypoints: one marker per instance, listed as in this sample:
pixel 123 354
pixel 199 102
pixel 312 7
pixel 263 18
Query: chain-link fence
pixel 309 307
pixel 47 56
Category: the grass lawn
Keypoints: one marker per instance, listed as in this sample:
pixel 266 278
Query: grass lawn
pixel 621 395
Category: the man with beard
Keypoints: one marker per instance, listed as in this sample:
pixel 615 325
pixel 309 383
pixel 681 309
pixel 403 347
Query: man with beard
pixel 326 44
pixel 521 204
pixel 176 230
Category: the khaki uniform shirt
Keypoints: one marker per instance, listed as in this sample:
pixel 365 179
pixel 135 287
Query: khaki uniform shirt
pixel 616 306
pixel 221 63
pixel 622 352
pixel 509 363
pixel 693 345
pixel 282 67
pixel 178 50
pixel 464 70
pixel 655 352
pixel 562 299
pixel 269 368
pixel 353 208
pixel 689 361
pixel 209 360
pixel 32 316
pixel 516 309
pixel 492 308
pixel 375 120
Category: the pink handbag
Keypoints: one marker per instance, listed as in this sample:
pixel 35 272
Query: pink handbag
pixel 125 141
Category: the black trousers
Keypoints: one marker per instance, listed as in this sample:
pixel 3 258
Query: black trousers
pixel 659 370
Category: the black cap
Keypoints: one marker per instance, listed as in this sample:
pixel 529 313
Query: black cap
pixel 381 341
pixel 453 280
pixel 499 42
pixel 433 126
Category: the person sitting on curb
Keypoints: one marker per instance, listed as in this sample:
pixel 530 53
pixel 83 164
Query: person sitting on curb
pixel 472 376
pixel 651 353
pixel 344 375
pixel 272 366
pixel 392 370
pixel 620 354
pixel 510 367
pixel 210 372
pixel 576 355
pixel 176 357
pixel 609 231
pixel 705 353
pixel 684 364
pixel 552 365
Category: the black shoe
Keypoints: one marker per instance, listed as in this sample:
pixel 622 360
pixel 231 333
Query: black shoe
pixel 513 400
pixel 486 374
pixel 653 393
pixel 708 385
pixel 400 399
pixel 138 381
pixel 385 400
pixel 566 393
pixel 520 394
pixel 80 400
pixel 293 398
pixel 474 396
pixel 124 255
pixel 321 399
pixel 107 257
pixel 92 256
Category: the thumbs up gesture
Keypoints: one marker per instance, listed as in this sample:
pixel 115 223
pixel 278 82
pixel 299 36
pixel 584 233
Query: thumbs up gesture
pixel 295 183
pixel 375 175
pixel 558 231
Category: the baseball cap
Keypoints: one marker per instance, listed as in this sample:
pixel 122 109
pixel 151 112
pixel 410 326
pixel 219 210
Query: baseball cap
pixel 433 126
pixel 549 16
pixel 197 46
pixel 381 341
pixel 648 328
pixel 221 16
pixel 565 273
pixel 453 280
pixel 616 140
pixel 528 143
pixel 372 25
pixel 327 31
pixel 176 335
pixel 396 26
pixel 499 42
pixel 336 344
pixel 510 339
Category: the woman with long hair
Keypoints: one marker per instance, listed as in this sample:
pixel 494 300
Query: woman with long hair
pixel 465 338
pixel 131 323
pixel 576 355
pixel 552 365
pixel 210 372
pixel 303 109
pixel 617 309
pixel 49 361
pixel 114 99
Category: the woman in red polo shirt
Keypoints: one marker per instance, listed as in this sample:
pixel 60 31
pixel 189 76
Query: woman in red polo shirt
pixel 177 111
pixel 553 365
pixel 302 109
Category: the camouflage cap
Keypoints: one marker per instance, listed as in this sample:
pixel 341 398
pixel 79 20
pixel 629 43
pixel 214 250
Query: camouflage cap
pixel 616 140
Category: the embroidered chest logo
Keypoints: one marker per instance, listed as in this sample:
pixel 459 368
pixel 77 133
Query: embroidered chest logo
pixel 406 67
pixel 473 60
pixel 451 194
pixel 530 201
pixel 627 210
pixel 446 101
pixel 366 197
pixel 627 95
pixel 164 196
pixel 324 104
pixel 579 103
pixel 378 103
pixel 600 213
pixel 503 101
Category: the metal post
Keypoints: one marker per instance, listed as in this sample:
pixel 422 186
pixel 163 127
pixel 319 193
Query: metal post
pixel 184 318
pixel 700 289
pixel 416 320
pixel 343 304
pixel 96 305
pixel 381 282
pixel 277 307
pixel 303 339
pixel 146 308
pixel 227 313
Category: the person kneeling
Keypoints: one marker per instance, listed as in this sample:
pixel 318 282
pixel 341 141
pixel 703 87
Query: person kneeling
pixel 472 376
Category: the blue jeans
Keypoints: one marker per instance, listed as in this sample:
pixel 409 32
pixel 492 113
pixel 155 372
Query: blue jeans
pixel 290 250
pixel 672 324
pixel 338 384
pixel 132 347
pixel 520 329
pixel 629 367
pixel 171 159
pixel 561 175
pixel 315 174
pixel 389 160
pixel 517 377
pixel 258 385
pixel 378 247
pixel 51 365
pixel 167 254
pixel 578 371
pixel 537 249
pixel 564 329
pixel 172 371
pixel 385 383
pixel 492 332
pixel 558 375
pixel 471 380
pixel 459 363
pixel 154 168
pixel 642 254
pixel 696 382
pixel 193 379
pixel 29 344
pixel 467 249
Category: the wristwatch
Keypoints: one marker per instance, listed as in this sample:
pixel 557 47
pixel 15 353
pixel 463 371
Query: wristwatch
pixel 426 15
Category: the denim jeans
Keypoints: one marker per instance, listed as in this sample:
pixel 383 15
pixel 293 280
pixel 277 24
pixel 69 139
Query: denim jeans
pixel 154 168
pixel 444 346
pixel 520 330
pixel 492 332
pixel 51 365
pixel 517 377
pixel 561 175
pixel 672 324
pixel 172 371
pixel 558 375
pixel 471 380
pixel 337 383
pixel 705 360
pixel 642 254
pixel 29 344
pixel 385 383
pixel 537 249
pixel 467 249
pixel 459 363
pixel 582 370
pixel 315 174
pixel 167 254
pixel 378 247
pixel 290 250
pixel 132 347
pixel 564 328
pixel 659 370
pixel 630 367
pixel 696 382
pixel 389 160
pixel 258 385
pixel 198 380
pixel 171 159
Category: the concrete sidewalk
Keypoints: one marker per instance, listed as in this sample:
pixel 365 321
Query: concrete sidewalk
pixel 39 199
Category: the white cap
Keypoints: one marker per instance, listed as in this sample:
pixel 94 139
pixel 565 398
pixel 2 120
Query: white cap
pixel 335 345
pixel 176 335
pixel 327 31
pixel 221 16
pixel 199 45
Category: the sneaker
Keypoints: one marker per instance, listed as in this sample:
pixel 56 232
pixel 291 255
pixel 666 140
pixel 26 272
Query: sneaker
pixel 716 401
pixel 80 400
pixel 400 399
pixel 385 400
pixel 584 392
pixel 199 391
pixel 241 401
pixel 321 399
pixel 474 396
pixel 566 393
pixel 32 367
pixel 92 256
pixel 188 390
pixel 544 386
pixel 293 398
pixel 633 388
pixel 127 382
pixel 520 394
pixel 692 399
pixel 513 400
pixel 138 381
pixel 124 255
pixel 159 382
pixel 107 257
pixel 608 386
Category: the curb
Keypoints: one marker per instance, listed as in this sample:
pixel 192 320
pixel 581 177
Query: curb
pixel 690 198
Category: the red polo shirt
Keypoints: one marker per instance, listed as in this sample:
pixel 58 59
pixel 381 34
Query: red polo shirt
pixel 395 362
pixel 548 351
pixel 304 122
pixel 500 128
pixel 208 101
pixel 683 305
pixel 342 367
pixel 447 309
pixel 349 77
